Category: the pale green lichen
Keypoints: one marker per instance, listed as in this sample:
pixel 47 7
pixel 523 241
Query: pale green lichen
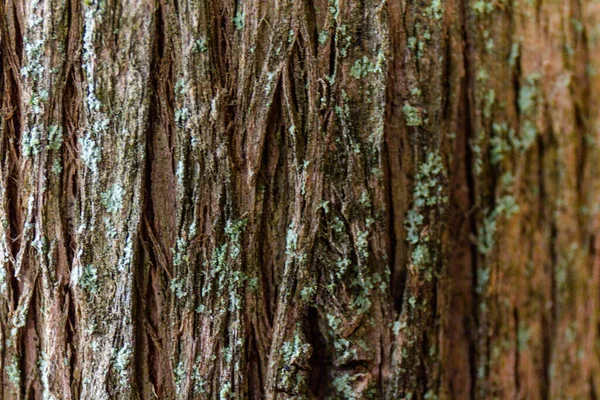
pixel 291 247
pixel 225 391
pixel 179 173
pixel 482 7
pixel 200 45
pixel 428 193
pixel 528 93
pixel 90 153
pixel 33 68
pixel 506 206
pixel 181 87
pixel 89 279
pixel 227 279
pixel 199 381
pixel 482 75
pixel 292 353
pixel 238 20
pixel 362 67
pixel 323 36
pixel 40 244
pixel 398 326
pixel 365 200
pixel 343 110
pixel 435 10
pixel 32 139
pixel 428 190
pixel 343 38
pixel 577 25
pixel 345 350
pixel 180 374
pixel 528 135
pixel 127 257
pixel 514 54
pixel 362 243
pixel 338 225
pixel 412 43
pixel 325 206
pixel 112 199
pixel 412 115
pixel 13 372
pixel 413 222
pixel 343 386
pixel 475 144
pixel 489 101
pixel 523 336
pixel 483 277
pixel 3 276
pixel 122 361
pixel 55 137
pixel 307 294
pixel 181 116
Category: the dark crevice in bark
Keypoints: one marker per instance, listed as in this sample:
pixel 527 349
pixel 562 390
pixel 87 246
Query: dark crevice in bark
pixel 273 162
pixel 269 198
pixel 311 23
pixel 394 165
pixel 318 359
pixel 581 131
pixel 516 85
pixel 69 181
pixel 542 217
pixel 72 334
pixel 157 225
pixel 11 165
pixel 147 350
pixel 388 180
pixel 71 108
pixel 31 385
pixel 469 134
pixel 255 376
pixel 11 111
pixel 517 351
pixel 581 91
pixel 549 323
pixel 220 47
pixel 332 53
pixel 547 145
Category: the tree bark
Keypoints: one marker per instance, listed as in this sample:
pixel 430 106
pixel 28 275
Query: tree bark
pixel 299 199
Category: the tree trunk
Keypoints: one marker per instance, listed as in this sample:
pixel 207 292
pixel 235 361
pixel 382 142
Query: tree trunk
pixel 299 199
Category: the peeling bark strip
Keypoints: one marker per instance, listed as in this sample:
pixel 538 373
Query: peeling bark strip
pixel 299 199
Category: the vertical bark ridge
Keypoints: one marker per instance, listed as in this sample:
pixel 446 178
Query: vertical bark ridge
pixel 12 215
pixel 112 153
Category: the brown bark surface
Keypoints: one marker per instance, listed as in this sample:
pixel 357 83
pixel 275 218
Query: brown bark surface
pixel 227 199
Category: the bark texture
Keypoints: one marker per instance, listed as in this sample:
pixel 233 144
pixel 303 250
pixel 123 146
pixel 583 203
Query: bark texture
pixel 247 199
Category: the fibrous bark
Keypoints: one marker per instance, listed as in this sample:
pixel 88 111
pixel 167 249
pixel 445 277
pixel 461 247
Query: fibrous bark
pixel 298 199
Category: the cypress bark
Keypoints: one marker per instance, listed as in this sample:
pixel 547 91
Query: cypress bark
pixel 299 199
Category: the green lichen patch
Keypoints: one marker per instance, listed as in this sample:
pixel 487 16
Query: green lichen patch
pixel 55 137
pixel 112 199
pixel 238 20
pixel 412 115
pixel 363 67
pixel 428 194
